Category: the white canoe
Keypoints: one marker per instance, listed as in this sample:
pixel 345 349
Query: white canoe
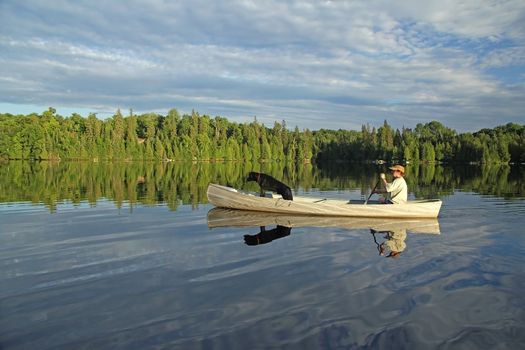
pixel 220 217
pixel 227 197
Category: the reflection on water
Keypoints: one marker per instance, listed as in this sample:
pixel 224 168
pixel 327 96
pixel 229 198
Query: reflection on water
pixel 220 217
pixel 394 243
pixel 109 270
pixel 393 231
pixel 266 236
pixel 186 183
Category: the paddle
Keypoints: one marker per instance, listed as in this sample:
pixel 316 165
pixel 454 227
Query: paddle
pixel 371 193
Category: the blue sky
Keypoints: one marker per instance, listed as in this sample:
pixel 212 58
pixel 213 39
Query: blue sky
pixel 315 64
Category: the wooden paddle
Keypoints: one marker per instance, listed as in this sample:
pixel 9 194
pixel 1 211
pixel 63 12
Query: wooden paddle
pixel 371 193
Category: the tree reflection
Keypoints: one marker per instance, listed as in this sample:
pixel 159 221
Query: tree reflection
pixel 172 183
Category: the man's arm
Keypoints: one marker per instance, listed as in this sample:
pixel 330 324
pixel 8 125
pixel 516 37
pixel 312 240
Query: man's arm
pixel 380 190
pixel 384 180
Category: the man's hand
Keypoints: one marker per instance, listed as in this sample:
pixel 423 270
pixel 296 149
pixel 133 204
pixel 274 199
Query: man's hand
pixel 382 176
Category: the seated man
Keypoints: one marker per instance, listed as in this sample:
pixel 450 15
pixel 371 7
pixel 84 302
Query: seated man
pixel 397 190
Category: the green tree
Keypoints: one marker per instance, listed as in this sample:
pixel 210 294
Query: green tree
pixel 117 135
pixel 427 153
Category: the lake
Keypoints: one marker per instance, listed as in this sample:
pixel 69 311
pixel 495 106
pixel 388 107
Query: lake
pixel 131 256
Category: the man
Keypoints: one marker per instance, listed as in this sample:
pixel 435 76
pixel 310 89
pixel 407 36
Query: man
pixel 397 191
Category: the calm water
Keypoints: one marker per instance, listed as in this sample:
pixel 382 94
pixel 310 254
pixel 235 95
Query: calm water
pixel 110 256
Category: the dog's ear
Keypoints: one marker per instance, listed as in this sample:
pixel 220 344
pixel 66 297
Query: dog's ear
pixel 251 176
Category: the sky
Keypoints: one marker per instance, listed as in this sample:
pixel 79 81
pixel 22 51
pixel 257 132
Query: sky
pixel 314 64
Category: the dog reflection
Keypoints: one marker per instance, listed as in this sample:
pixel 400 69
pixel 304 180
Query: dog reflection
pixel 266 236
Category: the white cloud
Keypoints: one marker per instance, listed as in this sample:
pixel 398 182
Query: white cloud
pixel 469 18
pixel 512 56
pixel 312 63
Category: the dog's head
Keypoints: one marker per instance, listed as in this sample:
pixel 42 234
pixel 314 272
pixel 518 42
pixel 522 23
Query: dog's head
pixel 252 176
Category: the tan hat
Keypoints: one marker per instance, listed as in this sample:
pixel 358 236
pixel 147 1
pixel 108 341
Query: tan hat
pixel 398 167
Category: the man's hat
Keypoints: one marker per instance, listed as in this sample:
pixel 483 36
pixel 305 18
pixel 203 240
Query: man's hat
pixel 398 167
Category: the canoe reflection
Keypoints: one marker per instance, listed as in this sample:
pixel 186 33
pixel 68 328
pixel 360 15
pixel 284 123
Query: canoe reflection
pixel 392 231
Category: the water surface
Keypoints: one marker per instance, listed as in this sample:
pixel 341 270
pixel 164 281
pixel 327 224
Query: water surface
pixel 113 256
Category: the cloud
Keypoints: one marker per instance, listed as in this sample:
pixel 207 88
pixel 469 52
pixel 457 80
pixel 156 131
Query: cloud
pixel 315 64
pixel 470 19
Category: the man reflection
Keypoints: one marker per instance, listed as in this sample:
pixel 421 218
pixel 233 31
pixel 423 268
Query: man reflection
pixel 265 236
pixel 394 243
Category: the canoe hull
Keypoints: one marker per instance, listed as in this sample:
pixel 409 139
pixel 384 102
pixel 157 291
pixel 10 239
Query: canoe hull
pixel 227 197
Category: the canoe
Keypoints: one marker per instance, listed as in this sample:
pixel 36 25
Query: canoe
pixel 227 197
pixel 220 217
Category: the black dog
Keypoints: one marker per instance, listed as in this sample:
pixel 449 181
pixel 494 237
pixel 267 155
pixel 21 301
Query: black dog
pixel 267 236
pixel 269 183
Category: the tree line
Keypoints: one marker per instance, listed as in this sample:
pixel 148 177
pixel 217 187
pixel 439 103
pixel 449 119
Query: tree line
pixel 150 136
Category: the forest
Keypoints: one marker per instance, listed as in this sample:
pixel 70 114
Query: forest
pixel 174 137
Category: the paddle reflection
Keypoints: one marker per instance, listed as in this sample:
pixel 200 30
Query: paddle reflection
pixel 389 235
